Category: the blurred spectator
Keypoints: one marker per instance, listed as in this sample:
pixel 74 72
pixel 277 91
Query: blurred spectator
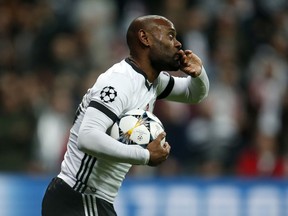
pixel 53 124
pixel 215 132
pixel 17 124
pixel 96 22
pixel 175 116
pixel 260 158
pixel 195 34
pixel 267 85
pixel 267 88
pixel 68 56
pixel 176 12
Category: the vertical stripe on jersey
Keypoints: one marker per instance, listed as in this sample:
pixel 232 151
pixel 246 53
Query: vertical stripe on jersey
pixel 84 172
pixel 90 206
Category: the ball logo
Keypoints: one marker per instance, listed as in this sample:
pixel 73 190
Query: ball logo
pixel 108 94
pixel 140 138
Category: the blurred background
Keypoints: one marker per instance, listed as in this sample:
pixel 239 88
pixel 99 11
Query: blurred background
pixel 52 51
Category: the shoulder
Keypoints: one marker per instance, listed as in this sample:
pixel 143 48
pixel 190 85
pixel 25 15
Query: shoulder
pixel 164 75
pixel 164 79
pixel 114 83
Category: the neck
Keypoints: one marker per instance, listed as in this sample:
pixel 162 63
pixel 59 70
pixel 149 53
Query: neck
pixel 146 67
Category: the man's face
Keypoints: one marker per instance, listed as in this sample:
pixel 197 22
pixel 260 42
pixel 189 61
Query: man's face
pixel 164 47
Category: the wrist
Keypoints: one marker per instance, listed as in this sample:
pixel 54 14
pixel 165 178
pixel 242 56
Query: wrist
pixel 147 156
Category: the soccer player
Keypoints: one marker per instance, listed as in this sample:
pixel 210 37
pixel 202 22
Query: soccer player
pixel 95 164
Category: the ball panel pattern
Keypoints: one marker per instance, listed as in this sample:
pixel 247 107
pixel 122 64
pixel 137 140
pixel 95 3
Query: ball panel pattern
pixel 137 127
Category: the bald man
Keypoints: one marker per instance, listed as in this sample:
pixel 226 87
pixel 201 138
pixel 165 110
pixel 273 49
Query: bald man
pixel 95 164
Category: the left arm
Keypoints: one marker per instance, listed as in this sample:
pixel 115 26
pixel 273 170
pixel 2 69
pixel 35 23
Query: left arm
pixel 189 89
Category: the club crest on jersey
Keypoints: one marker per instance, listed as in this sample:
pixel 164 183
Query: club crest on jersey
pixel 108 94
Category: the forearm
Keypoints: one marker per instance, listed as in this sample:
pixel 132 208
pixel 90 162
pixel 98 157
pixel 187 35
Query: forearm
pixel 189 89
pixel 94 141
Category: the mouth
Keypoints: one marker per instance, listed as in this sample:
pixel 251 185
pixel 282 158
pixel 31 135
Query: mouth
pixel 177 57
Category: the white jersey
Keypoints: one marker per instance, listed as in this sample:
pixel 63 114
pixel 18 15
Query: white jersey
pixel 121 88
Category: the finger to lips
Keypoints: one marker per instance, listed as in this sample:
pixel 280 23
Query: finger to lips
pixel 185 59
pixel 181 52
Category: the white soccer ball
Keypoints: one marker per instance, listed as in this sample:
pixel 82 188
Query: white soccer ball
pixel 137 127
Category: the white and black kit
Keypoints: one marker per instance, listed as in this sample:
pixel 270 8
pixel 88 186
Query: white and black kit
pixel 89 182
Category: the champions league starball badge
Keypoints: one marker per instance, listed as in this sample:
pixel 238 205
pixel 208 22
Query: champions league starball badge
pixel 108 94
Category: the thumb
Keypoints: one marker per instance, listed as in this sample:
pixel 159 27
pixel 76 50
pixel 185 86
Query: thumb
pixel 161 136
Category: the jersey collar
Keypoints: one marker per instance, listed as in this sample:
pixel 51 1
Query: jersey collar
pixel 138 70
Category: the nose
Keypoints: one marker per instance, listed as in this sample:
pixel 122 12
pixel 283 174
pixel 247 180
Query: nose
pixel 178 44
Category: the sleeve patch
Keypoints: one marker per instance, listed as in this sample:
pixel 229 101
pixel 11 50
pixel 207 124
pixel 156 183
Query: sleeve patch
pixel 108 94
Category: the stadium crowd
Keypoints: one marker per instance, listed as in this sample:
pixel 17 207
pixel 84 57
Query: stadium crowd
pixel 51 51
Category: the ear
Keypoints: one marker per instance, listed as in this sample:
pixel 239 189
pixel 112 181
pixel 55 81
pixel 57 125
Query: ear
pixel 143 37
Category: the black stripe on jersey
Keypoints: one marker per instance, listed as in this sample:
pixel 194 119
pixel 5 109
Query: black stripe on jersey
pixel 77 113
pixel 84 172
pixel 104 109
pixel 81 166
pixel 168 89
pixel 86 166
pixel 78 185
pixel 90 169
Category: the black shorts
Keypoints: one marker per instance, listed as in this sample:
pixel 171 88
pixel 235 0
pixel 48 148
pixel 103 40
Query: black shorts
pixel 61 200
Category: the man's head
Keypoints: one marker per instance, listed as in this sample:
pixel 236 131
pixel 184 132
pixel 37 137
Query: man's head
pixel 153 38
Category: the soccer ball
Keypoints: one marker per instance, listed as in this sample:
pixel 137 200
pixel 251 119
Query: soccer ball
pixel 137 127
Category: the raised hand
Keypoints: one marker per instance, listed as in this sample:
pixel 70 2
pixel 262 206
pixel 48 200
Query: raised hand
pixel 190 63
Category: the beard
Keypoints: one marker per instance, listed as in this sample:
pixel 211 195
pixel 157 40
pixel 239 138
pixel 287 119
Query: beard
pixel 166 62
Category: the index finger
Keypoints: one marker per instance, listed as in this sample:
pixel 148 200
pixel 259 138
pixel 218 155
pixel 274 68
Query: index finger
pixel 188 52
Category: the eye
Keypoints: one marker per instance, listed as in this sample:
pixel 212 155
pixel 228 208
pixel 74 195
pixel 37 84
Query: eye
pixel 171 36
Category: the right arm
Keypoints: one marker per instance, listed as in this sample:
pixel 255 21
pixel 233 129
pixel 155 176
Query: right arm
pixel 94 141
